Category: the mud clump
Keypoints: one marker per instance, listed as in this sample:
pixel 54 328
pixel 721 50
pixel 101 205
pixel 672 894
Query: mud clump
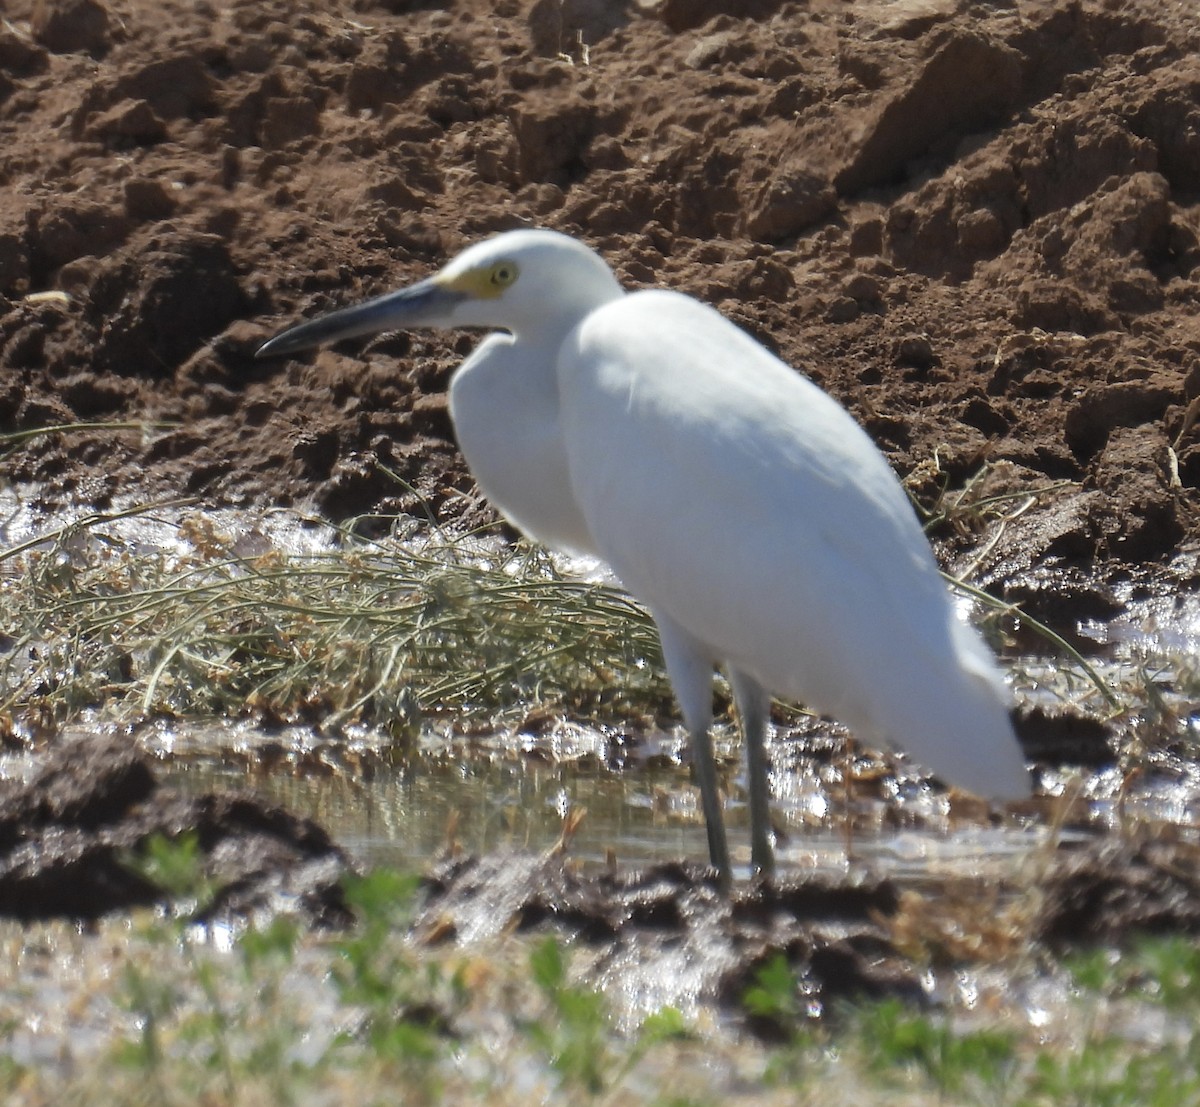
pixel 860 937
pixel 70 837
pixel 668 926
pixel 1114 889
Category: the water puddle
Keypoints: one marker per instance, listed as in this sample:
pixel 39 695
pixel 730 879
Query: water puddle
pixel 514 791
pixel 404 816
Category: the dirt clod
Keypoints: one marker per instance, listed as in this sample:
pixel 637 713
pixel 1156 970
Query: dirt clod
pixel 672 914
pixel 1112 890
pixel 68 839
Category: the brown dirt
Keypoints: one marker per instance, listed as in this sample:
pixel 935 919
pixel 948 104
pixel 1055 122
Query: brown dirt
pixel 845 938
pixel 978 225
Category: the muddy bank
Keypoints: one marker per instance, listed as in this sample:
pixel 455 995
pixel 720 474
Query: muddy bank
pixel 862 937
pixel 73 836
pixel 978 227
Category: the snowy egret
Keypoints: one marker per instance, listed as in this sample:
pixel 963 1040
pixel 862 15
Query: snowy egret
pixel 745 507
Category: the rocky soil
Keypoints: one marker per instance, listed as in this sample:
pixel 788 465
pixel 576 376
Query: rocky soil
pixel 978 225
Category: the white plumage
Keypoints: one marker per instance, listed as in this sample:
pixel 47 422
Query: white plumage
pixel 738 501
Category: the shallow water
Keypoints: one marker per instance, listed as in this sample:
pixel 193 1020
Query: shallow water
pixel 405 815
pixel 512 796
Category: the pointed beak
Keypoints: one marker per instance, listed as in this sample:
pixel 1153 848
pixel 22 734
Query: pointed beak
pixel 427 303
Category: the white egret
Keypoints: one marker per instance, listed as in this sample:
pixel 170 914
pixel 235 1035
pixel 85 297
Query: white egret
pixel 757 521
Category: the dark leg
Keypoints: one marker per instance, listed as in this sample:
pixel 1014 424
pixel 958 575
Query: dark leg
pixel 710 800
pixel 690 667
pixel 754 707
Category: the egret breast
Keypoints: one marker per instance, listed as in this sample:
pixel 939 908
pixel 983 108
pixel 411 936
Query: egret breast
pixel 504 405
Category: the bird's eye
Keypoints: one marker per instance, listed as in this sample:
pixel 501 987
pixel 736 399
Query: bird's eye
pixel 504 274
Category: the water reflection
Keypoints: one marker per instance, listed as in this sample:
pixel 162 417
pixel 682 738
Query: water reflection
pixel 411 814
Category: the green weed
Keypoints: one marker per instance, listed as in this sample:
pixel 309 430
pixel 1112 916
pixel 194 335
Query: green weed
pixel 576 1031
pixel 286 1017
pixel 955 1063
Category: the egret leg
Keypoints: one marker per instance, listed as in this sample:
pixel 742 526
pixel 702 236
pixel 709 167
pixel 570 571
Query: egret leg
pixel 690 668
pixel 754 706
pixel 848 797
pixel 710 800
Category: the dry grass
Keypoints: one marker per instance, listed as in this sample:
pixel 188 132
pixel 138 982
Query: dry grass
pixel 366 632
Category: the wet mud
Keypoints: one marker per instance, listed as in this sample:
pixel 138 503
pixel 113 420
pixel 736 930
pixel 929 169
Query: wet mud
pixel 72 835
pixel 74 838
pixel 862 937
pixel 1112 890
pixel 667 926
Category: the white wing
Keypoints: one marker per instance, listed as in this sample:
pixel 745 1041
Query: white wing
pixel 732 494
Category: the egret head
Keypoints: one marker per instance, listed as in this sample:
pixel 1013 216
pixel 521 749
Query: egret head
pixel 531 281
